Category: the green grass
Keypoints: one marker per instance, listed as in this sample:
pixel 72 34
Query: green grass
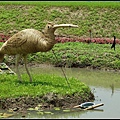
pixel 65 3
pixel 41 85
pixel 101 17
pixel 81 54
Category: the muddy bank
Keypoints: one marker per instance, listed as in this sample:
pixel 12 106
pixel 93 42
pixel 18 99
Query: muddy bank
pixel 48 101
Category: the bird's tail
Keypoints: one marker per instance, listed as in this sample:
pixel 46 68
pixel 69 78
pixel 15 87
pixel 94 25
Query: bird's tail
pixel 1 57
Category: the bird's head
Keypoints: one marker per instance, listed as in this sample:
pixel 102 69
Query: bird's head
pixel 49 27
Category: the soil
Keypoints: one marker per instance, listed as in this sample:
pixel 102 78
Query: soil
pixel 48 101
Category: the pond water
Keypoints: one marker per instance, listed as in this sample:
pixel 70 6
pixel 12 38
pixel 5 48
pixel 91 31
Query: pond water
pixel 104 84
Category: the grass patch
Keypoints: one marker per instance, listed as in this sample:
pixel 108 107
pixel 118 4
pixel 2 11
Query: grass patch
pixel 100 17
pixel 41 85
pixel 64 3
pixel 80 54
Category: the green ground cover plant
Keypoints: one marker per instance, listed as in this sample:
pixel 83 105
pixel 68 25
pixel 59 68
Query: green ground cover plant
pixel 42 84
pixel 77 54
pixel 103 22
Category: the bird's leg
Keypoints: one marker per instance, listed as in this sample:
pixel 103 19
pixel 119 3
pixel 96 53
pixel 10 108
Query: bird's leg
pixel 17 70
pixel 25 61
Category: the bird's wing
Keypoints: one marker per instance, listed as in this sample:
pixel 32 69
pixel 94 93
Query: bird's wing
pixel 16 40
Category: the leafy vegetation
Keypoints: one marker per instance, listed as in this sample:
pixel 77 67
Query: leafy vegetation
pixel 101 17
pixel 77 54
pixel 41 85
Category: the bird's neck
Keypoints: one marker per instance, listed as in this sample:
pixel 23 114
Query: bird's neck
pixel 50 41
pixel 47 42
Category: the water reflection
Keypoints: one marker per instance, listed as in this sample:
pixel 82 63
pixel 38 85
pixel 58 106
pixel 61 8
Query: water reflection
pixel 105 86
pixel 112 88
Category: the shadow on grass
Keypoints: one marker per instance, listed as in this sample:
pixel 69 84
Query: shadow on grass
pixel 37 83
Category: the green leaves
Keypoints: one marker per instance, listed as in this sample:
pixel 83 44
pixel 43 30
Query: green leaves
pixel 87 15
pixel 42 84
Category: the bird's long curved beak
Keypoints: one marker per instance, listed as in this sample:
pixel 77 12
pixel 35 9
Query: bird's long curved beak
pixel 65 25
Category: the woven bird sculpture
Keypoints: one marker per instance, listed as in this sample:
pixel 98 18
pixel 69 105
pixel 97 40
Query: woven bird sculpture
pixel 30 41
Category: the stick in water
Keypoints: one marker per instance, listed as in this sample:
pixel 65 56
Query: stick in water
pixel 62 70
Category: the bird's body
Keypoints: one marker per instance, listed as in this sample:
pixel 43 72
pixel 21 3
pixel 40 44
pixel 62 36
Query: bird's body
pixel 30 41
pixel 27 41
pixel 114 42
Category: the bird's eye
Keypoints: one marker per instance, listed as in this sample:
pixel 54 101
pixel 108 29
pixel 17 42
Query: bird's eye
pixel 48 26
